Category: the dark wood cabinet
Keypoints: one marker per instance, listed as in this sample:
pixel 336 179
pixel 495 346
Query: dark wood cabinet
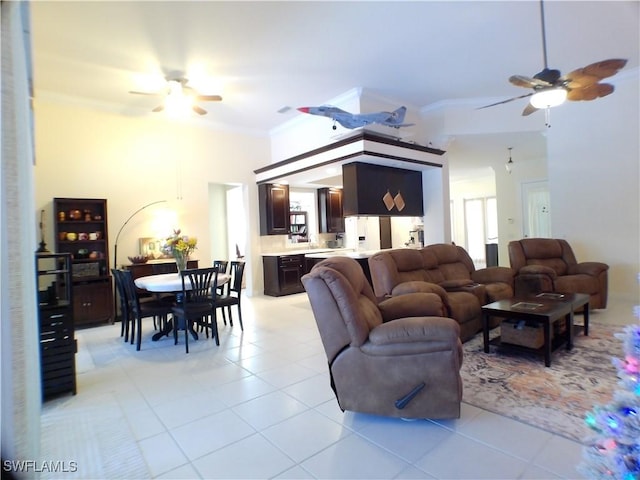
pixel 92 301
pixel 377 190
pixel 330 218
pixel 282 274
pixel 81 231
pixel 273 205
pixel 55 324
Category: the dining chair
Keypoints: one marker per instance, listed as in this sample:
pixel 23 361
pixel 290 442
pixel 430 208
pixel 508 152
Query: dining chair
pixel 234 292
pixel 223 266
pixel 124 310
pixel 137 309
pixel 197 305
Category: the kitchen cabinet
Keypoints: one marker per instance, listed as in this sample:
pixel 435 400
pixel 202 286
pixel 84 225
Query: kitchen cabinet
pixel 282 274
pixel 55 324
pixel 376 190
pixel 81 231
pixel 273 204
pixel 330 218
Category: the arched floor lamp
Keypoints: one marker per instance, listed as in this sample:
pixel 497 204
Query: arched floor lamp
pixel 115 246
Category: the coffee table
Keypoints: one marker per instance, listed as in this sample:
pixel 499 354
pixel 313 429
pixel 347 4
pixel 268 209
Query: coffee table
pixel 544 308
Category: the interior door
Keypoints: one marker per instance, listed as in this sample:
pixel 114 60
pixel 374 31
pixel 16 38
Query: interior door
pixel 536 214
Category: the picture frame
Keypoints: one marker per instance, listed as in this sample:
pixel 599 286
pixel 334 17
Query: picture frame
pixel 151 247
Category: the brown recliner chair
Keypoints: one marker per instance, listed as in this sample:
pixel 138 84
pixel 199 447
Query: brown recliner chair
pixel 549 265
pixel 383 358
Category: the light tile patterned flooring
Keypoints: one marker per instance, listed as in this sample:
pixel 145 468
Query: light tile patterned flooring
pixel 259 406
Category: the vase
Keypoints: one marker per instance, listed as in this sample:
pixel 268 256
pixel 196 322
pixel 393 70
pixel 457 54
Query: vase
pixel 181 261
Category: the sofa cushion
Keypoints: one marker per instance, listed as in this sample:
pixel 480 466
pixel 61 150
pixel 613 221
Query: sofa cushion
pixel 557 264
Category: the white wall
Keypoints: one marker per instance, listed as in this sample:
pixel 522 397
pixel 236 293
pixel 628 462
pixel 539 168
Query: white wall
pixel 594 173
pixel 131 161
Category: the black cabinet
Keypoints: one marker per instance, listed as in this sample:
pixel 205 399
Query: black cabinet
pixel 282 274
pixel 330 218
pixel 81 231
pixel 273 203
pixel 55 324
pixel 378 190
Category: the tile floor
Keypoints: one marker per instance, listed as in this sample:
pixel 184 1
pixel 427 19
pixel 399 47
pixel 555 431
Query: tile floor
pixel 259 406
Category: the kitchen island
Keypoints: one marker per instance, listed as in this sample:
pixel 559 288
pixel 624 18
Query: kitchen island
pixel 361 257
pixel 283 270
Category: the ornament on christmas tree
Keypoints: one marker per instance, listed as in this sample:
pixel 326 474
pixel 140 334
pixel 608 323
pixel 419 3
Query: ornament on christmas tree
pixel 614 451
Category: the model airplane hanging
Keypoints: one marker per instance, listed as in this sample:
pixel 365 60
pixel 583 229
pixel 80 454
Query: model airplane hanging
pixel 354 120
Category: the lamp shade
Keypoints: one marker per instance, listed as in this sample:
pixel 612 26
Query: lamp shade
pixel 549 97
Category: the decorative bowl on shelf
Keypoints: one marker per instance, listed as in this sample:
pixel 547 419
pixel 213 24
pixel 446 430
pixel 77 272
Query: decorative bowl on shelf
pixel 138 259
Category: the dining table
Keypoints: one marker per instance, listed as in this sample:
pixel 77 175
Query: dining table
pixel 170 283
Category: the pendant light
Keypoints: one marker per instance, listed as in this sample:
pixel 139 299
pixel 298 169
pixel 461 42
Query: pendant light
pixel 509 165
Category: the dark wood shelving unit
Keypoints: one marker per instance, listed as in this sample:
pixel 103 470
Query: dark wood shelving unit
pixel 81 231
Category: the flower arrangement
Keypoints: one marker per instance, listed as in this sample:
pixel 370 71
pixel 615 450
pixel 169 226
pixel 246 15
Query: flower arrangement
pixel 180 247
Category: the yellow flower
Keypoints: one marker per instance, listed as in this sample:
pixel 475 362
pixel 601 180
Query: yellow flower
pixel 183 245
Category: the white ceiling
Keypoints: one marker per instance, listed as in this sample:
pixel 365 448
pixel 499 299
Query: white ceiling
pixel 261 56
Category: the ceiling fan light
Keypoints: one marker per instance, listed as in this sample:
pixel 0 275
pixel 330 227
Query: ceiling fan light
pixel 550 97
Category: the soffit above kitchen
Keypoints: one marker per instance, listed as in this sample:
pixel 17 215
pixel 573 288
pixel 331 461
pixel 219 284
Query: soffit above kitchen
pixel 322 167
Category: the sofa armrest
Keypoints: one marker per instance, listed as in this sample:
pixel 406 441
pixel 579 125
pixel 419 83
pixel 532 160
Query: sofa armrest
pixel 412 305
pixel 493 275
pixel 589 268
pixel 415 330
pixel 419 286
pixel 538 270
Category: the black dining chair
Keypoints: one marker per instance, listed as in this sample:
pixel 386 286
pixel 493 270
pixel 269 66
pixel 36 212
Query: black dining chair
pixel 223 266
pixel 138 309
pixel 124 310
pixel 234 292
pixel 197 305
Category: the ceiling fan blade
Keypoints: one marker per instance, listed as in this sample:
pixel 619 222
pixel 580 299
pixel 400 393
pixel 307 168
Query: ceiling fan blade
pixel 199 110
pixel 527 82
pixel 529 109
pixel 506 101
pixel 208 98
pixel 590 92
pixel 145 93
pixel 593 73
pixel 159 108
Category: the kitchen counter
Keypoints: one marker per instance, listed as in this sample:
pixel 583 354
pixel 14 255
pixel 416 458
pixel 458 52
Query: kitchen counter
pixel 342 253
pixel 308 251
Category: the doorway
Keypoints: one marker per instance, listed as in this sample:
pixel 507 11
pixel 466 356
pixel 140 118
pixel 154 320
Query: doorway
pixel 481 227
pixel 536 214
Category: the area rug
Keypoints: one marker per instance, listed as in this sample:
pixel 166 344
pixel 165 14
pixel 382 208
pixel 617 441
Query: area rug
pixel 556 398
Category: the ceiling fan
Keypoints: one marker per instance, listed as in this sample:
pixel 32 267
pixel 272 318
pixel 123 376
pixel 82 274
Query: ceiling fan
pixel 178 93
pixel 550 88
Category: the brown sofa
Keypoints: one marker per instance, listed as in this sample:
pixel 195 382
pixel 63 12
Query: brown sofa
pixel 448 271
pixel 387 359
pixel 549 265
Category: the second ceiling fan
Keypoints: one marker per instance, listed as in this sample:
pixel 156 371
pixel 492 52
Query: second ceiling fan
pixel 550 88
pixel 178 91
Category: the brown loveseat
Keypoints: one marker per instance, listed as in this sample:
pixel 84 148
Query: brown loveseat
pixel 549 265
pixel 385 359
pixel 448 271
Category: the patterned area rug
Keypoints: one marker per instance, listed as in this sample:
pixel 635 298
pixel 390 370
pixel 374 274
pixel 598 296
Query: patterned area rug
pixel 556 398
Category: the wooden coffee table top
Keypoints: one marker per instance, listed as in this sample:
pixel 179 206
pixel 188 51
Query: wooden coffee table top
pixel 541 305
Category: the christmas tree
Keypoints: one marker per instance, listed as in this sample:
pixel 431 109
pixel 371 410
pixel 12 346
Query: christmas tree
pixel 614 450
